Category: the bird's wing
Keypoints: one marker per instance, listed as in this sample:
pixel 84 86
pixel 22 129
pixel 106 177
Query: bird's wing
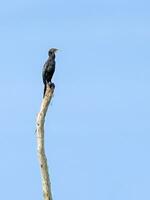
pixel 44 71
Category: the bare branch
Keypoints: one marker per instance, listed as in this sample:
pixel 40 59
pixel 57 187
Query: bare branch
pixel 46 185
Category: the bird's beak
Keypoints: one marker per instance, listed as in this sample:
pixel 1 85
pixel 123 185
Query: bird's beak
pixel 56 50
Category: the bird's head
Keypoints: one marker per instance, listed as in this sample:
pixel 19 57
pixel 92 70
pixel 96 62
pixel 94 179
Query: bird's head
pixel 52 51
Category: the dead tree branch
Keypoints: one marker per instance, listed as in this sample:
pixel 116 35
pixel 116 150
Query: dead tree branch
pixel 46 184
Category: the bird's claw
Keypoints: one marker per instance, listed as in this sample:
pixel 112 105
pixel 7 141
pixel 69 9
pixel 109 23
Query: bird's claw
pixel 52 85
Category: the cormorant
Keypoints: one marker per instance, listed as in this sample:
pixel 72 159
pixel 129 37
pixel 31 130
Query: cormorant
pixel 49 68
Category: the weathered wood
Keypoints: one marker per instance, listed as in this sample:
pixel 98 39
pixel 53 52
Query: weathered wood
pixel 46 184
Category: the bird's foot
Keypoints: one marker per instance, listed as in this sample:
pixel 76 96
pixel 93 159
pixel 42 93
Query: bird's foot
pixel 52 85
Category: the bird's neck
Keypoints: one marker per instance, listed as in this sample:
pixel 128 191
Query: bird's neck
pixel 52 56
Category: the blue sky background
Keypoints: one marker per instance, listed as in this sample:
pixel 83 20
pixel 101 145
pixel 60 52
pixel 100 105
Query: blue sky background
pixel 98 125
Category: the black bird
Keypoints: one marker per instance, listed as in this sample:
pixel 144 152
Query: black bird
pixel 49 68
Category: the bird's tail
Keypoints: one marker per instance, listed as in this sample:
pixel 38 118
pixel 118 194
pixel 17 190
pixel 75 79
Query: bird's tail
pixel 44 90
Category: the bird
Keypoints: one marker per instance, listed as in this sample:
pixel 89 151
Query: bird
pixel 49 68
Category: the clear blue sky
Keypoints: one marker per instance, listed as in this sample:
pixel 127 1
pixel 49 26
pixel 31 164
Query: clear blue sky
pixel 98 126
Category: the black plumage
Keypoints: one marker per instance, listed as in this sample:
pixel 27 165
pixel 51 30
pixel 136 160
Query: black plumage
pixel 49 68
